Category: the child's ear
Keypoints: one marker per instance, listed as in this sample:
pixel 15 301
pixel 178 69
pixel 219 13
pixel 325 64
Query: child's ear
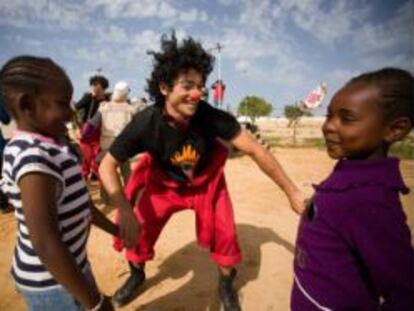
pixel 164 88
pixel 398 129
pixel 25 103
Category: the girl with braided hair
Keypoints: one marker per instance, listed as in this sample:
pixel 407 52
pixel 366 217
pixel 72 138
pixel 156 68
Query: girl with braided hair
pixel 43 182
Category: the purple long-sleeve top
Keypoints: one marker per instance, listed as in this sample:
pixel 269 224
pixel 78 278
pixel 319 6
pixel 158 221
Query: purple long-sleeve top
pixel 353 250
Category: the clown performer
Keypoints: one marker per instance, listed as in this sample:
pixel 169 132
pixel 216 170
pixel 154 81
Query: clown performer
pixel 182 168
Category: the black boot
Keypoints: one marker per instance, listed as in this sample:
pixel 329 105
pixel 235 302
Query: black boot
pixel 227 294
pixel 129 290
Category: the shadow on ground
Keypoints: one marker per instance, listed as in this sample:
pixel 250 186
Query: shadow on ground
pixel 202 285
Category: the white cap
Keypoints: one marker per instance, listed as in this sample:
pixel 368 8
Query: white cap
pixel 121 91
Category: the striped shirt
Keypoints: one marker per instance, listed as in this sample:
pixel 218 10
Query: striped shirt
pixel 29 153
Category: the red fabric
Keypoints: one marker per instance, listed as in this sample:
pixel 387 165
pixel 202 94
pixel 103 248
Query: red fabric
pixel 207 195
pixel 90 133
pixel 218 92
pixel 89 152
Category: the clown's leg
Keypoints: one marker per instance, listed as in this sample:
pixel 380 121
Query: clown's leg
pixel 225 251
pixel 152 222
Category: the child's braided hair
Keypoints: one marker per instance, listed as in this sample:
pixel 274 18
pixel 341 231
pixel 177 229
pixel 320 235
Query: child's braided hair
pixel 31 75
pixel 396 87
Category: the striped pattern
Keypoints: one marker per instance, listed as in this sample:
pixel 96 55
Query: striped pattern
pixel 24 154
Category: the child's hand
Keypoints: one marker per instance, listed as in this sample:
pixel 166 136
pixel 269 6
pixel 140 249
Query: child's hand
pixel 129 227
pixel 75 134
pixel 298 202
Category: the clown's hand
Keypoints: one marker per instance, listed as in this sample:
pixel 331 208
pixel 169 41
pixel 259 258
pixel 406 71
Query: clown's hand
pixel 298 202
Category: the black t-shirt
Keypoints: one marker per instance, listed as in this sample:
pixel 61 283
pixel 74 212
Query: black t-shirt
pixel 88 105
pixel 181 153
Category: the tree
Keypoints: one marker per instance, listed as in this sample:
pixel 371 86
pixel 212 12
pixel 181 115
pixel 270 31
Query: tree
pixel 253 107
pixel 293 114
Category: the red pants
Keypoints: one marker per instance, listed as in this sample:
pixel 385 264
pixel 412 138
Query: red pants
pixel 207 195
pixel 89 152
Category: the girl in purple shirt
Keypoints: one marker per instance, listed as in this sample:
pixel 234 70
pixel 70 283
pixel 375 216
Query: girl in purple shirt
pixel 353 250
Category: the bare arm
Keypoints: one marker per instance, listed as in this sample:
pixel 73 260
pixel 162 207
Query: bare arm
pixel 39 208
pixel 102 222
pixel 129 227
pixel 245 142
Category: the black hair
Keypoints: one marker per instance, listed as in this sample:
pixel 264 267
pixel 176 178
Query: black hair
pixel 396 87
pixel 173 59
pixel 99 79
pixel 31 75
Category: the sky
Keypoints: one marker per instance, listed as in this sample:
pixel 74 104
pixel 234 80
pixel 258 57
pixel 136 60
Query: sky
pixel 275 49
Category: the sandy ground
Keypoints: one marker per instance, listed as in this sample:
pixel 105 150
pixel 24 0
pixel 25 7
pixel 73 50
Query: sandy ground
pixel 182 276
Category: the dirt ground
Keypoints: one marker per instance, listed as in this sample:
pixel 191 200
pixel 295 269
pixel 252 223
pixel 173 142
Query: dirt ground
pixel 182 276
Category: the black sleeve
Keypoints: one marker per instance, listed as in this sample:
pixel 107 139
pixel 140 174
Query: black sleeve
pixel 84 101
pixel 134 138
pixel 219 122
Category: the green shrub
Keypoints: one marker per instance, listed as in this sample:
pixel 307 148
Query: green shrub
pixel 403 149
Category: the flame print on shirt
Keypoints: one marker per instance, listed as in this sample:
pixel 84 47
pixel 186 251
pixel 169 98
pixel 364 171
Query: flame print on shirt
pixel 186 159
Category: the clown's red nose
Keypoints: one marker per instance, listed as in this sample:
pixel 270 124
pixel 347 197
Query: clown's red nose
pixel 195 95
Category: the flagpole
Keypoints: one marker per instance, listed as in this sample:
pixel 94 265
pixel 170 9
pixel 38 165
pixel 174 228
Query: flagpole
pixel 219 47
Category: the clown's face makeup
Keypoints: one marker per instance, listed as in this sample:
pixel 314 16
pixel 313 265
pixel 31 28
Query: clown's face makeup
pixel 182 99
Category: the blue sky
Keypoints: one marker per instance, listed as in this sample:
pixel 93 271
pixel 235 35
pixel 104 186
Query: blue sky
pixel 276 49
